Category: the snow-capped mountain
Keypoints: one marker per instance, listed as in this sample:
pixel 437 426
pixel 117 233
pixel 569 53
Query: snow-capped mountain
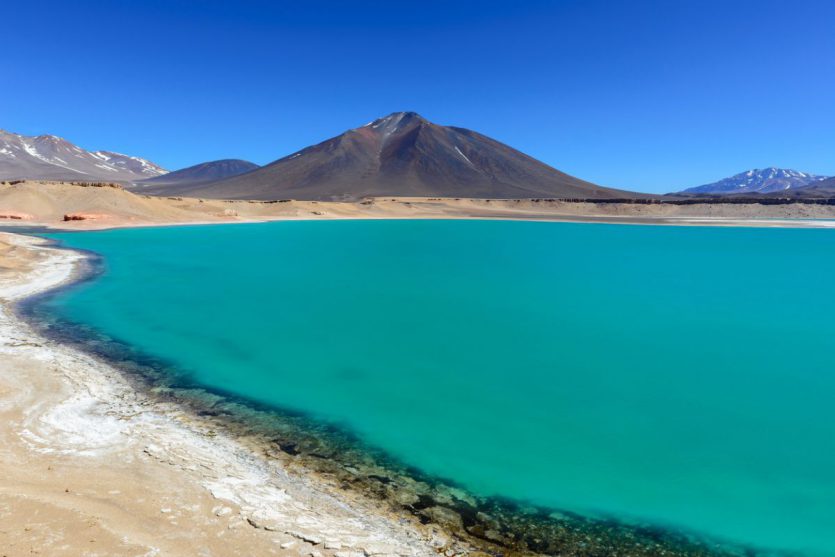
pixel 47 157
pixel 766 180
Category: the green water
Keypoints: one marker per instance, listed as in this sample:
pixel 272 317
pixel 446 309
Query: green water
pixel 681 375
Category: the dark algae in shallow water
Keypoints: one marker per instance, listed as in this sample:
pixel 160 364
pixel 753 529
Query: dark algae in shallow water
pixel 494 526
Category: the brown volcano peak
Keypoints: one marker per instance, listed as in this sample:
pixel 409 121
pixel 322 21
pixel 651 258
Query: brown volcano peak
pixel 404 155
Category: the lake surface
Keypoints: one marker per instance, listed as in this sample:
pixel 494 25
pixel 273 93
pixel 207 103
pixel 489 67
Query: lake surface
pixel 682 375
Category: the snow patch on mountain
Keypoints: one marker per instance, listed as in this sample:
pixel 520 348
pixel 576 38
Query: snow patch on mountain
pixel 49 157
pixel 765 180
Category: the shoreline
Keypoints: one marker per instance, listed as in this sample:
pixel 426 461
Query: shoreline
pixel 443 518
pixel 157 469
pixel 706 221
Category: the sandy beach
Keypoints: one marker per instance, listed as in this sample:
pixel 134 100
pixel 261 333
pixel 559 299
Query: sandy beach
pixel 84 207
pixel 90 466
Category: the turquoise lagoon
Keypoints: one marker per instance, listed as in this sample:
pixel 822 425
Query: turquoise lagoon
pixel 681 375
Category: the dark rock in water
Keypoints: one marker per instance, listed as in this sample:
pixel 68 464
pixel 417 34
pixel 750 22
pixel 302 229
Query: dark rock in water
pixel 289 448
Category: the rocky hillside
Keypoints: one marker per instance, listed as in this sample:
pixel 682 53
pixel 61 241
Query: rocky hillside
pixel 192 176
pixel 48 157
pixel 823 189
pixel 403 155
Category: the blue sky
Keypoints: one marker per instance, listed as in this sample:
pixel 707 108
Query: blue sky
pixel 646 95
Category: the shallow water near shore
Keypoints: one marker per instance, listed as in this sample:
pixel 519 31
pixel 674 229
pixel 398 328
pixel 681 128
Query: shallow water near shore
pixel 680 375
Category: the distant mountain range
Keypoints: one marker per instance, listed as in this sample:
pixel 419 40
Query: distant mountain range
pixel 48 157
pixel 402 155
pixel 759 181
pixel 820 189
pixel 197 175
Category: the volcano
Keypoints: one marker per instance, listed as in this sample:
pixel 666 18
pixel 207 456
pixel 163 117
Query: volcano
pixel 403 155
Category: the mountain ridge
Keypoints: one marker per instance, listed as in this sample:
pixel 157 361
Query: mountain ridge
pixel 195 175
pixel 49 157
pixel 764 181
pixel 817 190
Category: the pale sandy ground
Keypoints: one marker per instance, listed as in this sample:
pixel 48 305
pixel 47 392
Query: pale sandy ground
pixel 46 203
pixel 89 466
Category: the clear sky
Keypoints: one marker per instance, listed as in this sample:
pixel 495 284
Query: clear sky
pixel 646 95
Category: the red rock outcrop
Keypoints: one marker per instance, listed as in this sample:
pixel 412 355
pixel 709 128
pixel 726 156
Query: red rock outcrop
pixel 14 215
pixel 83 216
